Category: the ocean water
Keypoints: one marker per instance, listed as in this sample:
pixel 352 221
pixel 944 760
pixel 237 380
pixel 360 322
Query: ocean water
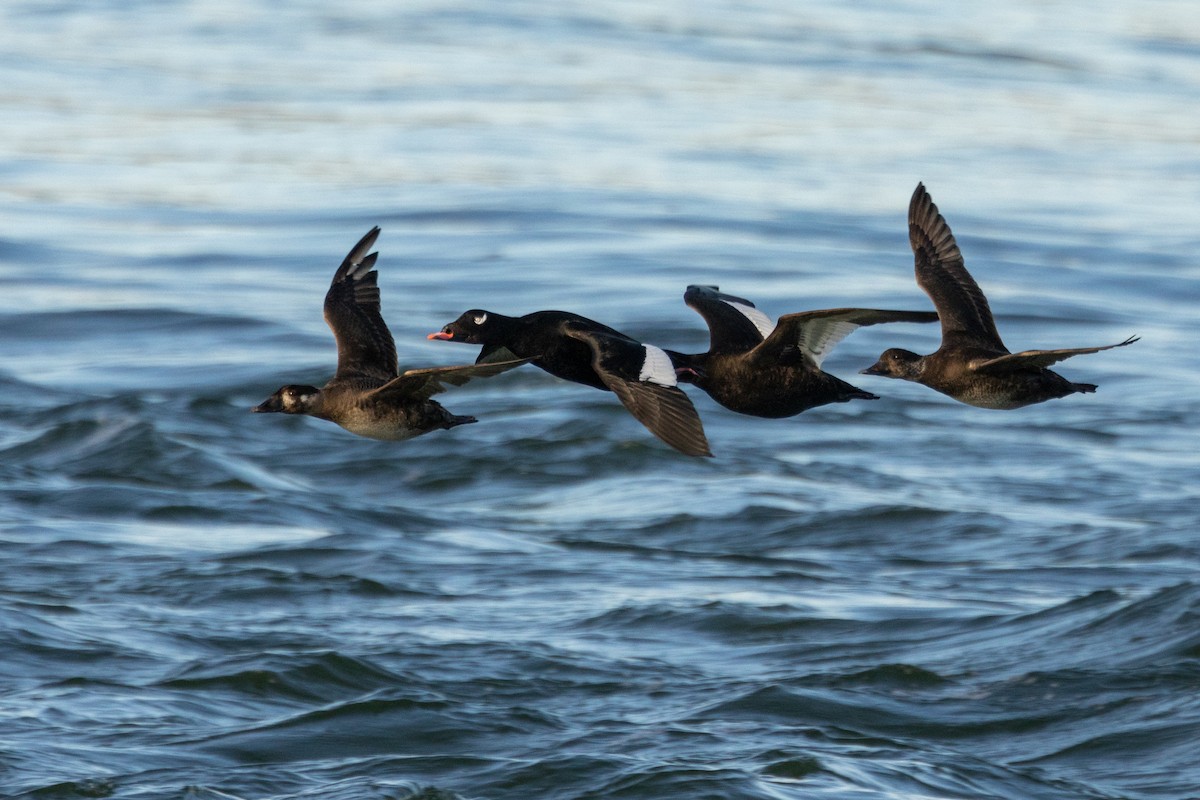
pixel 902 598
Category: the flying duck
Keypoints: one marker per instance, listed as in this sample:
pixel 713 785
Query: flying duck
pixel 972 365
pixel 582 350
pixel 367 394
pixel 757 367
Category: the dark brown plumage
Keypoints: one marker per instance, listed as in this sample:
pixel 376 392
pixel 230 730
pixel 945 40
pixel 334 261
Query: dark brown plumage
pixel 972 365
pixel 773 370
pixel 367 395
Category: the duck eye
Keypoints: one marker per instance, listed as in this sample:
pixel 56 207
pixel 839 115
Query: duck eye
pixel 480 319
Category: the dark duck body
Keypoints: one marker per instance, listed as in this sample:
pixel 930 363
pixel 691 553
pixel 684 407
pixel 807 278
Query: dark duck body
pixel 538 336
pixel 367 394
pixel 581 350
pixel 763 369
pixel 972 365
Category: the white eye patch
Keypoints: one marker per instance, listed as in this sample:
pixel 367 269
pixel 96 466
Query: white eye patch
pixel 480 319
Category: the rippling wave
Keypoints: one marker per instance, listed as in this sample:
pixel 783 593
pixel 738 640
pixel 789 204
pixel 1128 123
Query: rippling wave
pixel 901 598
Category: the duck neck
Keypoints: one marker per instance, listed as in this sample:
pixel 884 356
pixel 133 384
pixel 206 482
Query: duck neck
pixel 689 367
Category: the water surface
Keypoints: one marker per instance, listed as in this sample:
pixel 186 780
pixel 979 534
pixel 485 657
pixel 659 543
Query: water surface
pixel 902 598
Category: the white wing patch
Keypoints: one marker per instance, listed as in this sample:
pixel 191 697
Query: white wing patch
pixel 820 335
pixel 657 368
pixel 760 320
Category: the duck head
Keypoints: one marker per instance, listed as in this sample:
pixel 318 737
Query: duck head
pixel 290 399
pixel 896 363
pixel 471 327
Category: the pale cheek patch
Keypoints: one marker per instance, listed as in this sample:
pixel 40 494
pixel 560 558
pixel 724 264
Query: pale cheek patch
pixel 480 319
pixel 297 401
pixel 657 368
pixel 760 320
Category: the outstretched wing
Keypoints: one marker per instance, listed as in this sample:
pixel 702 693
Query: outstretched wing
pixel 1035 359
pixel 365 346
pixel 421 384
pixel 734 324
pixel 812 335
pixel 666 412
pixel 943 276
pixel 643 379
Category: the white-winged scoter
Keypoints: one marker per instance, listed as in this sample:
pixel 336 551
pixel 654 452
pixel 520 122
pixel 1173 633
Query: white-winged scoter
pixel 582 350
pixel 972 365
pixel 764 369
pixel 367 395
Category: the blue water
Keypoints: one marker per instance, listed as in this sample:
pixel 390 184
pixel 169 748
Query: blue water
pixel 903 598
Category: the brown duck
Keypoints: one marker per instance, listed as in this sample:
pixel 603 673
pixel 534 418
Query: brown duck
pixel 367 394
pixel 973 366
pixel 757 367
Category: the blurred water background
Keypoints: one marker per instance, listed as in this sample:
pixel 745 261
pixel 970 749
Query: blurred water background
pixel 903 598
